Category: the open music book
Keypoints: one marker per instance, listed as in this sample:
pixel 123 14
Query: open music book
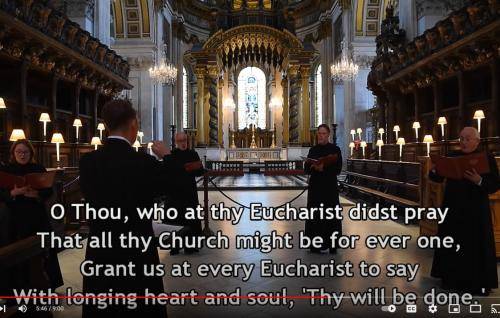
pixel 455 167
pixel 38 180
pixel 326 160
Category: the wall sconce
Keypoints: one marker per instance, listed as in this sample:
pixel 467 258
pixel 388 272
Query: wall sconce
pixel 441 122
pixel 150 148
pixel 359 131
pixel 96 141
pixel 380 143
pixel 416 126
pixel 77 123
pixel 479 114
pixel 2 104
pixel 229 104
pixel 100 127
pixel 401 143
pixel 351 145
pixel 396 130
pixel 136 145
pixel 140 134
pixel 44 118
pixel 428 140
pixel 57 138
pixel 353 133
pixel 17 134
pixel 363 146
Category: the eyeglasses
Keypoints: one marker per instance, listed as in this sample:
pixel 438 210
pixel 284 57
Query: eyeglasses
pixel 17 152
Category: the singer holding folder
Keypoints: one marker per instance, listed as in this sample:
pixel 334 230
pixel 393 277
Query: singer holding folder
pixel 323 163
pixel 116 176
pixel 26 214
pixel 473 268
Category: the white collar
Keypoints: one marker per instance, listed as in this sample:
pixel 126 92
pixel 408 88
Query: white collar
pixel 121 138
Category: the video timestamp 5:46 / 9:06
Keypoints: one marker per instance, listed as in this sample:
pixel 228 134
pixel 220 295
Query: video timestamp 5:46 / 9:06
pixel 49 308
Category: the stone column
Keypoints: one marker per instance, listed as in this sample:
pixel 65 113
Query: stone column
pixel 200 117
pixel 294 104
pixel 213 112
pixel 306 106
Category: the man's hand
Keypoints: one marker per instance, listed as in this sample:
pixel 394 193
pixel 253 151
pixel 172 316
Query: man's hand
pixel 472 176
pixel 160 149
pixel 318 167
pixel 18 191
pixel 31 193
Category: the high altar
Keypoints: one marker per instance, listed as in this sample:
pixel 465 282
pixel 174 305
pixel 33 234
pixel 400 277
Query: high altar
pixel 255 79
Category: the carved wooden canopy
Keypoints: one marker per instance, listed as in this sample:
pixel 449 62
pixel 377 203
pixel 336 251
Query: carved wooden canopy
pixel 467 38
pixel 34 32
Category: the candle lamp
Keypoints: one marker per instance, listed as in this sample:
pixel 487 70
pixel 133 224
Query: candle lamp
pixel 140 134
pixel 479 114
pixel 136 145
pixel 441 122
pixel 359 131
pixel 416 126
pixel 379 144
pixel 2 104
pixel 353 134
pixel 150 148
pixel 57 138
pixel 44 118
pixel 401 143
pixel 428 140
pixel 351 145
pixel 381 132
pixel 17 134
pixel 100 127
pixel 96 141
pixel 396 130
pixel 363 146
pixel 77 123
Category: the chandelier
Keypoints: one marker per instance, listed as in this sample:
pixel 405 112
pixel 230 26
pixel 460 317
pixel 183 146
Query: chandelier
pixel 345 69
pixel 163 73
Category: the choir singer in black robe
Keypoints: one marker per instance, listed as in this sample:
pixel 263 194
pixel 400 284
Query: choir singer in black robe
pixel 185 165
pixel 473 268
pixel 116 176
pixel 323 187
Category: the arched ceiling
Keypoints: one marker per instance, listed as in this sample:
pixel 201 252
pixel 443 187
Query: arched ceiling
pixel 131 18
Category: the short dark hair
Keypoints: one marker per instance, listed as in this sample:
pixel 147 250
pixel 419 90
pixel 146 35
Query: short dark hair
pixel 25 142
pixel 118 113
pixel 324 126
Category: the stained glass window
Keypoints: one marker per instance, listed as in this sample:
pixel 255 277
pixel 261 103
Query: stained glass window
pixel 251 98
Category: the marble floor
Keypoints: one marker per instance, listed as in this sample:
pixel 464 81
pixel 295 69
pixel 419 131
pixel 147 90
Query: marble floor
pixel 71 259
pixel 257 181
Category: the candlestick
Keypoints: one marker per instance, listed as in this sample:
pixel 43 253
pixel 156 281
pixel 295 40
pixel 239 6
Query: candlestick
pixel 416 126
pixel 479 114
pixel 442 121
pixel 379 144
pixel 396 130
pixel 353 133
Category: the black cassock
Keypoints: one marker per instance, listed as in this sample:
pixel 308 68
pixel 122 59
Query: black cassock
pixel 116 176
pixel 24 217
pixel 323 190
pixel 468 221
pixel 185 193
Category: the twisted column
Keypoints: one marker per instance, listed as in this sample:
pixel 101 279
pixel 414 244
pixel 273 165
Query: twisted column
pixel 295 96
pixel 213 111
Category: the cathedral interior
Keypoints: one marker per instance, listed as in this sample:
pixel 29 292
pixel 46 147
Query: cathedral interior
pixel 249 82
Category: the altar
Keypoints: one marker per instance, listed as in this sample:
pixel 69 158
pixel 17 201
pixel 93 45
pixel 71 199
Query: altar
pixel 253 154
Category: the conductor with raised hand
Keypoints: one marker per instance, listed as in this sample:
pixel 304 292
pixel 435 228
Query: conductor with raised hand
pixel 116 176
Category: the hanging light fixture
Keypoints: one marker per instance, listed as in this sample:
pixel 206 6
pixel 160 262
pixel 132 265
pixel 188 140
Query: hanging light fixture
pixel 345 69
pixel 163 72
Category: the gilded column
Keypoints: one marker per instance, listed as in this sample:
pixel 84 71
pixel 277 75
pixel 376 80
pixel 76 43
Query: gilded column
pixel 306 105
pixel 213 111
pixel 220 107
pixel 294 102
pixel 200 118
